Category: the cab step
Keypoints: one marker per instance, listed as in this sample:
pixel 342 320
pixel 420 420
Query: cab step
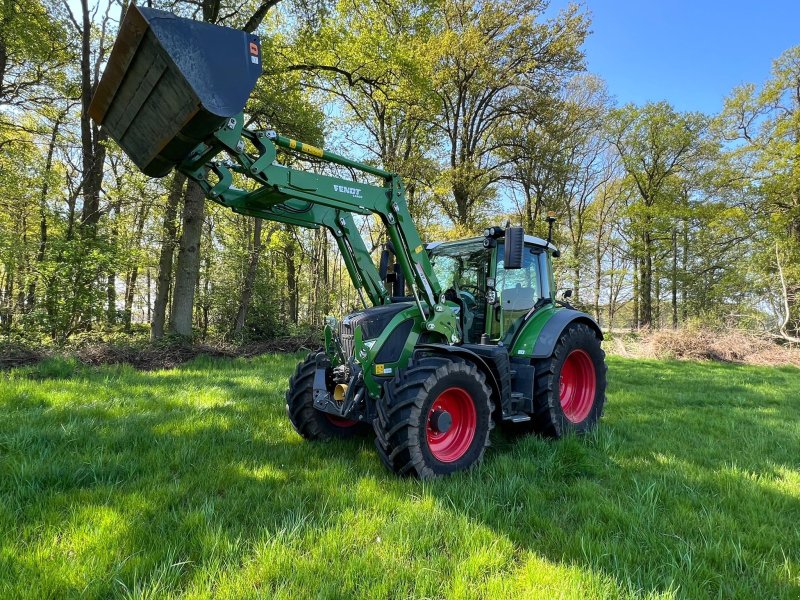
pixel 518 418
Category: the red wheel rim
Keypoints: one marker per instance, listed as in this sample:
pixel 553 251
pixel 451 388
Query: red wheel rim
pixel 450 445
pixel 577 386
pixel 340 422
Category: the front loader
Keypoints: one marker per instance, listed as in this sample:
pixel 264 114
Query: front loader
pixel 452 338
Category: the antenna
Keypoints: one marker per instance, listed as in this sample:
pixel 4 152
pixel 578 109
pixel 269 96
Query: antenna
pixel 551 218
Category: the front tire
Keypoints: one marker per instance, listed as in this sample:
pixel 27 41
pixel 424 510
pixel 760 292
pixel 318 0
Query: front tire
pixel 570 386
pixel 434 418
pixel 309 422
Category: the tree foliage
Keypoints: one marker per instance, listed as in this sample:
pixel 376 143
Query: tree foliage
pixel 484 108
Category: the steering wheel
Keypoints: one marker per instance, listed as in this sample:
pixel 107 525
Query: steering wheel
pixel 472 292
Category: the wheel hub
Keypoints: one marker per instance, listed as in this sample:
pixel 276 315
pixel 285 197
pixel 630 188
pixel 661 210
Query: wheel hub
pixel 451 423
pixel 441 421
pixel 577 385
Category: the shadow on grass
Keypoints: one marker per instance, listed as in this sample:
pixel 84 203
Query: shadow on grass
pixel 193 478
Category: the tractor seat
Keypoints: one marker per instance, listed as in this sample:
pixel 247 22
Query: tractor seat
pixel 515 302
pixel 517 298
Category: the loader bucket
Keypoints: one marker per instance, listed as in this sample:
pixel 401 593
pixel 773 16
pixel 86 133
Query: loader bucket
pixel 170 83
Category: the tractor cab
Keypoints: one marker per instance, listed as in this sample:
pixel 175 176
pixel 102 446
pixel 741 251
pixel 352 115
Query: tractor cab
pixel 494 300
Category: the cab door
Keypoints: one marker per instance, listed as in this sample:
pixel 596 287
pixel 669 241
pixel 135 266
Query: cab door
pixel 517 291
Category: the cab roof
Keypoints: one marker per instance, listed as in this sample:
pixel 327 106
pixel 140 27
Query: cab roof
pixel 529 239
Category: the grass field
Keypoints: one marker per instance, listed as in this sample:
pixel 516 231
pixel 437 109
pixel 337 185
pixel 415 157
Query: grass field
pixel 191 483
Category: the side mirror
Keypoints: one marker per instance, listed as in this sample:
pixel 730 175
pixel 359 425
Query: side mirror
pixel 514 247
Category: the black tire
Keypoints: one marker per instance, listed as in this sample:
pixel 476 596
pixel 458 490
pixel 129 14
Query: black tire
pixel 549 418
pixel 309 422
pixel 403 425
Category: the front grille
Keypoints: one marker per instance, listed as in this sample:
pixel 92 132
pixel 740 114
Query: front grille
pixel 346 338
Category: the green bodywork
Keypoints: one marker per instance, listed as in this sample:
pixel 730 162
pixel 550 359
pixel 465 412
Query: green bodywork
pixel 305 199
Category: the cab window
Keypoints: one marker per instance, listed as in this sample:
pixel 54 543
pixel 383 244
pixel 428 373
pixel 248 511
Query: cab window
pixel 518 290
pixel 461 271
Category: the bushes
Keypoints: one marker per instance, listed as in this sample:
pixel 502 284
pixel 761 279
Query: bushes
pixel 703 343
pixel 140 353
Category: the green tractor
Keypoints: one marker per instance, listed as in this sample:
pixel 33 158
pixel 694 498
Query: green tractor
pixel 452 338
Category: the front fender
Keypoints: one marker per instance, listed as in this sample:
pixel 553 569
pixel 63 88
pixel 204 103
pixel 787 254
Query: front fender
pixel 479 361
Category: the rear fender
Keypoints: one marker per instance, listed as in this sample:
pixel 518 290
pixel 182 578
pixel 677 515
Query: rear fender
pixel 539 341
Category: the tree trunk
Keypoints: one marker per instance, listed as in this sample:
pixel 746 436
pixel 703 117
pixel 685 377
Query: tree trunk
pixel 205 305
pixel 674 278
pixel 42 250
pixel 636 319
pixel 249 280
pixel 793 285
pixel 169 232
pixel 111 276
pixel 130 289
pixel 133 276
pixel 646 282
pixel 462 205
pixel 612 297
pixel 7 304
pixel 325 276
pixel 149 299
pixel 598 256
pixel 111 298
pixel 291 284
pixel 656 302
pixel 188 266
pixel 684 268
pixel 93 150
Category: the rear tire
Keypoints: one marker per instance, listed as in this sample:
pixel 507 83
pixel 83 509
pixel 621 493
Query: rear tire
pixel 570 386
pixel 309 422
pixel 434 418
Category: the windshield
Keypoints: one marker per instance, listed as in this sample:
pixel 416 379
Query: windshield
pixel 461 271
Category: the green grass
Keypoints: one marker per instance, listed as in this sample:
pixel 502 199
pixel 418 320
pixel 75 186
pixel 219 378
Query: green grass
pixel 191 483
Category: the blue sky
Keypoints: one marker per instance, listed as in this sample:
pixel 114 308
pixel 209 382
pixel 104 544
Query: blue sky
pixel 689 53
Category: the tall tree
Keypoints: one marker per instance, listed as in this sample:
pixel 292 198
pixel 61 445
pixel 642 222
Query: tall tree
pixel 93 149
pixel 188 265
pixel 655 143
pixel 764 123
pixel 490 59
pixel 187 272
pixel 169 235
